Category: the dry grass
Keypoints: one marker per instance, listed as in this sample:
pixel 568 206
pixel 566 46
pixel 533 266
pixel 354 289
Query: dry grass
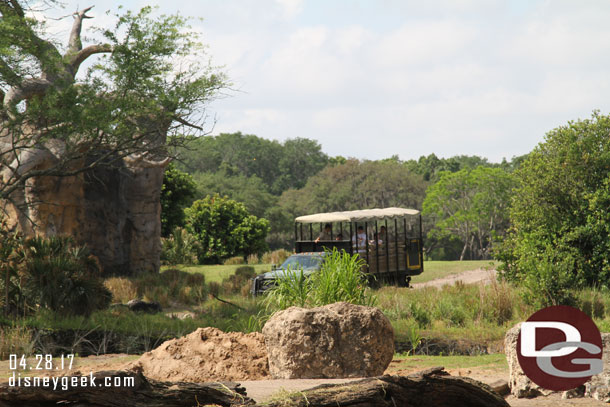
pixel 232 261
pixel 17 341
pixel 122 289
pixel 275 257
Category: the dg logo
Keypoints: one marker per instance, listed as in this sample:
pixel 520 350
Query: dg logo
pixel 559 348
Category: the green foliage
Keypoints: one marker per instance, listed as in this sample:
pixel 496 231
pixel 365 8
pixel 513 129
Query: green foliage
pixel 560 235
pixel 177 192
pixel 179 248
pixel 224 228
pixel 62 277
pixel 278 165
pixel 470 206
pixel 339 279
pixel 350 186
pixel 251 191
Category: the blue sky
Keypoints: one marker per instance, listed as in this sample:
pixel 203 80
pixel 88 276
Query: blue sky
pixel 371 79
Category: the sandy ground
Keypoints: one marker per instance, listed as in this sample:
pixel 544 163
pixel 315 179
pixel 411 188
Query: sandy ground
pixel 466 277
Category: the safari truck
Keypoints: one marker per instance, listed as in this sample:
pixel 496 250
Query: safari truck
pixel 389 240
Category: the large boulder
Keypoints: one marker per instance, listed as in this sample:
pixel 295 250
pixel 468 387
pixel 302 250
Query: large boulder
pixel 599 385
pixel 521 386
pixel 334 341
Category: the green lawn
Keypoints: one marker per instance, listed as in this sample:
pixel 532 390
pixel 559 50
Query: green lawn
pixel 432 269
pixel 439 269
pixel 218 272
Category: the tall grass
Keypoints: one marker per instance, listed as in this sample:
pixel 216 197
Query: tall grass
pixel 339 279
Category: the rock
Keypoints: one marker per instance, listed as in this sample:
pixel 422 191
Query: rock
pixel 115 211
pixel 500 387
pixel 574 393
pixel 599 385
pixel 143 306
pixel 334 341
pixel 520 385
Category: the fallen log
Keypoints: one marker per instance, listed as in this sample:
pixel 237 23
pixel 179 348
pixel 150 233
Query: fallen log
pixel 430 388
pixel 143 393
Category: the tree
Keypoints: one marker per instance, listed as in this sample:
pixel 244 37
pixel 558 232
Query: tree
pixel 278 165
pixel 471 206
pixel 88 150
pixel 251 191
pixel 559 210
pixel 177 192
pixel 350 186
pixel 224 228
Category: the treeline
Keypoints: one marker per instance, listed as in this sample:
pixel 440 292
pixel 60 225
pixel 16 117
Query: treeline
pixel 279 181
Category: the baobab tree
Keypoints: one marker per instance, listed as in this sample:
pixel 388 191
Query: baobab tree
pixel 83 153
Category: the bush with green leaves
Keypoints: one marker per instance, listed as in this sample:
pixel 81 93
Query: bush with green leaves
pixel 340 278
pixel 224 228
pixel 177 192
pixel 180 247
pixel 61 276
pixel 560 234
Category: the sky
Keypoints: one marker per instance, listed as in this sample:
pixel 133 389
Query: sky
pixel 375 78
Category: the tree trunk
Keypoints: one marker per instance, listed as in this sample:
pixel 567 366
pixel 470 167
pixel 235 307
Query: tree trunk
pixel 144 393
pixel 430 388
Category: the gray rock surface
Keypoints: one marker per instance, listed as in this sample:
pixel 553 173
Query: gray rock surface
pixel 114 211
pixel 335 341
pixel 599 385
pixel 521 386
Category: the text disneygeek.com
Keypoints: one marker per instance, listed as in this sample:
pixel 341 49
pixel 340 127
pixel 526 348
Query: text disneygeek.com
pixel 69 382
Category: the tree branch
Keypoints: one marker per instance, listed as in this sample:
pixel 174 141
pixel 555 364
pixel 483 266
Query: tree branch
pixel 186 123
pixel 85 53
pixel 75 45
pixel 27 89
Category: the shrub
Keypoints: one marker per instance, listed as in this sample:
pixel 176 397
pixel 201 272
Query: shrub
pixel 559 213
pixel 62 277
pixel 231 261
pixel 236 283
pixel 224 228
pixel 253 259
pixel 179 248
pixel 122 289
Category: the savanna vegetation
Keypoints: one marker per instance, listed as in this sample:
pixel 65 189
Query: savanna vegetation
pixel 231 198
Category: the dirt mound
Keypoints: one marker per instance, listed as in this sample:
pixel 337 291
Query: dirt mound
pixel 208 354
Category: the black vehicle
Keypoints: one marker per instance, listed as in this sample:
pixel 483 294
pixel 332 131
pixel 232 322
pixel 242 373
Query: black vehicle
pixel 389 240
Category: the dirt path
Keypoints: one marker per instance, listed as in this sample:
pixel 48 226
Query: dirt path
pixel 467 277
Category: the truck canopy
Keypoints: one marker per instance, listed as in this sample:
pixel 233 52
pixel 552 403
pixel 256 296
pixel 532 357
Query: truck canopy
pixel 363 215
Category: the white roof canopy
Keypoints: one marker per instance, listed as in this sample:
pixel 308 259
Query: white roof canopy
pixel 363 215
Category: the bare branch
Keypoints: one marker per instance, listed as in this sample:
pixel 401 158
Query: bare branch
pixel 85 53
pixel 27 89
pixel 75 45
pixel 139 161
pixel 182 121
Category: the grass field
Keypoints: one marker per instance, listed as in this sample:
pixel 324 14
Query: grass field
pixel 496 361
pixel 432 269
pixel 217 272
